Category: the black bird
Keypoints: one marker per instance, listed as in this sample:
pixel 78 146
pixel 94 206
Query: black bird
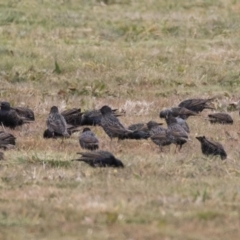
pixel 158 135
pixel 183 124
pixel 222 118
pixel 211 148
pixel 73 116
pixel 26 113
pixel 7 140
pixel 100 159
pixel 138 127
pixel 70 129
pixel 9 116
pixel 88 140
pixel 56 123
pixel 111 125
pixel 176 132
pixel 93 117
pixel 1 156
pixel 196 105
pixel 154 127
pixel 138 131
pixel 181 112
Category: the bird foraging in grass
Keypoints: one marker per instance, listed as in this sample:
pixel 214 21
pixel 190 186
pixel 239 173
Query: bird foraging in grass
pixel 181 112
pixel 100 159
pixel 93 117
pixel 222 118
pixel 196 104
pixel 56 123
pixel 139 131
pixel 211 148
pixel 88 140
pixel 177 131
pixel 111 125
pixel 158 134
pixel 26 113
pixel 7 140
pixel 9 116
pixel 73 116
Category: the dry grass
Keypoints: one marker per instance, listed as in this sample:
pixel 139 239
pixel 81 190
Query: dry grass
pixel 139 57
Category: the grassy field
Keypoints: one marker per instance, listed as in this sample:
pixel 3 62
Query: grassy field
pixel 138 56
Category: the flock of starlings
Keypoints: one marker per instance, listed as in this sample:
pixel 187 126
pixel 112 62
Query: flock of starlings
pixel 62 125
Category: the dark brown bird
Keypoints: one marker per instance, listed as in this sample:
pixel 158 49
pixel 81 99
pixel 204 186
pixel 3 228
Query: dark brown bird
pixel 100 159
pixel 88 140
pixel 176 132
pixel 183 124
pixel 139 131
pixel 111 125
pixel 196 105
pixel 138 127
pixel 211 148
pixel 93 117
pixel 70 129
pixel 181 112
pixel 158 134
pixel 26 113
pixel 1 156
pixel 56 123
pixel 222 118
pixel 9 116
pixel 73 116
pixel 7 140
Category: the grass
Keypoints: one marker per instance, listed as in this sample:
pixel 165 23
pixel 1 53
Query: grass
pixel 138 57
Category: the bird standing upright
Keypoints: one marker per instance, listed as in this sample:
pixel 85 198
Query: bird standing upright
pixel 56 123
pixel 176 132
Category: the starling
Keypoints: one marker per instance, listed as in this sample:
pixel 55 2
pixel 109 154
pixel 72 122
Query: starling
pixel 211 148
pixel 88 140
pixel 93 117
pixel 1 156
pixel 7 140
pixel 154 127
pixel 111 125
pixel 9 116
pixel 138 127
pixel 56 123
pixel 196 105
pixel 26 113
pixel 158 134
pixel 222 118
pixel 183 124
pixel 73 116
pixel 181 112
pixel 70 129
pixel 138 131
pixel 100 159
pixel 176 132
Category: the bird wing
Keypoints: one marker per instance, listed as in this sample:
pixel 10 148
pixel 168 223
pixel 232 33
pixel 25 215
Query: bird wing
pixel 221 116
pixel 70 112
pixel 25 113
